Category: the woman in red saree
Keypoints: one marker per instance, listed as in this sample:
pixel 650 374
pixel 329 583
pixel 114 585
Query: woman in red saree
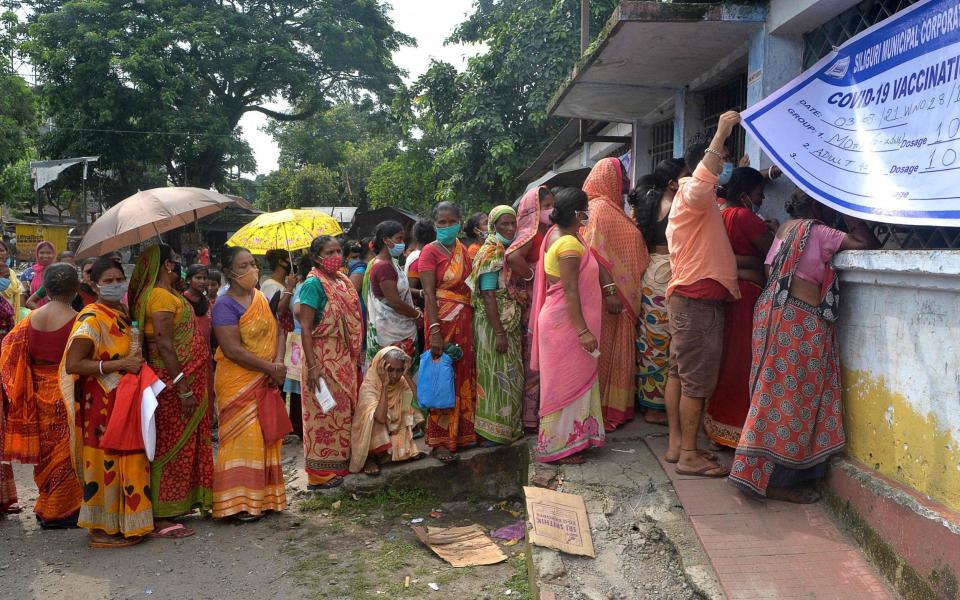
pixel 533 222
pixel 566 324
pixel 8 487
pixel 622 253
pixel 37 428
pixel 750 239
pixel 178 350
pixel 795 420
pixel 332 336
pixel 444 268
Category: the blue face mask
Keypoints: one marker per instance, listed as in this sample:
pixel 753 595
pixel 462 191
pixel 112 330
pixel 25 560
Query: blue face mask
pixel 4 284
pixel 726 173
pixel 448 235
pixel 398 249
pixel 504 240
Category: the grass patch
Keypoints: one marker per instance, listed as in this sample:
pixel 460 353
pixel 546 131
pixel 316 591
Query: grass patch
pixel 519 582
pixel 392 503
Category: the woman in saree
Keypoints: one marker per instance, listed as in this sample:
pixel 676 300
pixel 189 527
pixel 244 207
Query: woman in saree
pixel 247 475
pixel 566 323
pixel 116 506
pixel 33 275
pixel 651 200
pixel 444 268
pixel 8 487
pixel 14 290
pixel 385 416
pixel 622 254
pixel 30 370
pixel 750 239
pixel 795 420
pixel 475 232
pixel 392 318
pixel 332 334
pixel 177 348
pixel 533 221
pixel 497 335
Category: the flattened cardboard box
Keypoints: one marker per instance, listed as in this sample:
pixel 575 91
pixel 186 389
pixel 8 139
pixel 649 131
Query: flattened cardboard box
pixel 558 521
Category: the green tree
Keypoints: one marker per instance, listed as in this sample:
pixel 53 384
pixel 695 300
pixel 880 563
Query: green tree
pixel 18 119
pixel 485 125
pixel 406 181
pixel 166 82
pixel 309 185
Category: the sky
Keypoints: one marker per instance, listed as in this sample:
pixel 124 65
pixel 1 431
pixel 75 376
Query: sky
pixel 429 21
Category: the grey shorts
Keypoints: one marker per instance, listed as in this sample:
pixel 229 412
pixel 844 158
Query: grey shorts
pixel 696 344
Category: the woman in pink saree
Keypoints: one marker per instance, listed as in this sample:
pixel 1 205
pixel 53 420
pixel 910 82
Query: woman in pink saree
pixel 565 320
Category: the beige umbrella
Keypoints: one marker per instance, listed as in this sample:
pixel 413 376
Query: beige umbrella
pixel 145 215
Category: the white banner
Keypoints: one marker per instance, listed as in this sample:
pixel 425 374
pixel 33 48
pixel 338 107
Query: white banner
pixel 873 129
pixel 44 171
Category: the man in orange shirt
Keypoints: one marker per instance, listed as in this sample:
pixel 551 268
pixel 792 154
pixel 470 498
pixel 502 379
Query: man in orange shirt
pixel 704 278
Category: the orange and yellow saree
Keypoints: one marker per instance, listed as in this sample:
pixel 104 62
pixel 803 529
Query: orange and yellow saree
pixel 247 476
pixel 36 404
pixel 619 247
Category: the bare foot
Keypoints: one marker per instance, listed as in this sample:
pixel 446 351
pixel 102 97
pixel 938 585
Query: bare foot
pixel 794 495
pixel 672 456
pixel 655 417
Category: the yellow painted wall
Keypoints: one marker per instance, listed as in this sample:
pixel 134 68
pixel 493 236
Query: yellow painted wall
pixel 28 236
pixel 884 432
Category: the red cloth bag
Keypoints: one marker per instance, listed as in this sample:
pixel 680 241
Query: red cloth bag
pixel 272 414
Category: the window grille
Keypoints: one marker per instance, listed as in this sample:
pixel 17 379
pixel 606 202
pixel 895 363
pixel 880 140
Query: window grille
pixel 662 146
pixel 820 42
pixel 729 96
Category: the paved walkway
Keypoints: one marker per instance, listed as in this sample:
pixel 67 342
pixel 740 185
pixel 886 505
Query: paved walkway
pixel 771 550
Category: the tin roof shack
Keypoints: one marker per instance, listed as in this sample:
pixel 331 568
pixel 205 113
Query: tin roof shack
pixel 676 67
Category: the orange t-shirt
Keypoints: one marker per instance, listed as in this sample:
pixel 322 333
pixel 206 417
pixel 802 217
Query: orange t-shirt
pixel 697 238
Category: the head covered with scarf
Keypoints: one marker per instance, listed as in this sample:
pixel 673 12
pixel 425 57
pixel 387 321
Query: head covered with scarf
pixel 528 217
pixel 38 267
pixel 491 255
pixel 143 280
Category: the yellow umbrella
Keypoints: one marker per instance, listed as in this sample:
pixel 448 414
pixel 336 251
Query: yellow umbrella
pixel 290 229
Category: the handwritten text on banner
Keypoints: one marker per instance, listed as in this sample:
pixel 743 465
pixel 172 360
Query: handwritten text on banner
pixel 873 129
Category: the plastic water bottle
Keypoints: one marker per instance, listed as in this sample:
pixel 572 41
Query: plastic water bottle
pixel 136 339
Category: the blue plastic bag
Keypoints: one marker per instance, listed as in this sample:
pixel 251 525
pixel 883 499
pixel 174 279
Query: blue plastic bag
pixel 435 388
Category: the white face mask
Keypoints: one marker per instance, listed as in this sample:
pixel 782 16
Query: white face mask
pixel 113 292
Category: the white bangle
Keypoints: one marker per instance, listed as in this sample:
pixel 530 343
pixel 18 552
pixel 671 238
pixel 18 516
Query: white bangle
pixel 177 379
pixel 101 368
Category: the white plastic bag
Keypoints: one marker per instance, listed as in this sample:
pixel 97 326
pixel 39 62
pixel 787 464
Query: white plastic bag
pixel 323 397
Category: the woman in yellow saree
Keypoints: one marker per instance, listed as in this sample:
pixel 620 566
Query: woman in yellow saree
pixel 37 429
pixel 116 506
pixel 247 476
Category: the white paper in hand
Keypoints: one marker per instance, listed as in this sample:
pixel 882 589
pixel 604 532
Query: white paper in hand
pixel 323 397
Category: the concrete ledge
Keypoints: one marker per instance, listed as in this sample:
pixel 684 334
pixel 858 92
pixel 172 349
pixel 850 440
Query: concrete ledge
pixel 914 542
pixel 493 473
pixel 937 270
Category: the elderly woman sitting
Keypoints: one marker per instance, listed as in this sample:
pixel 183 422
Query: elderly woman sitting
pixel 384 419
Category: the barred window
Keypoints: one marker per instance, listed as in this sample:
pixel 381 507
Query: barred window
pixel 662 146
pixel 820 42
pixel 716 101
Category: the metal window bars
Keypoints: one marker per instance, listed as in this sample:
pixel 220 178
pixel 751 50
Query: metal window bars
pixel 662 146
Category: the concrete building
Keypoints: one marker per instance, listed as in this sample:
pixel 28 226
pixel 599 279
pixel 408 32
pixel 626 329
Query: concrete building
pixel 659 75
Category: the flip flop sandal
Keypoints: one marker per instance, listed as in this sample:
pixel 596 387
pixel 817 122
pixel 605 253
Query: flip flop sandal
pixel 14 509
pixel 704 453
pixel 447 459
pixel 248 518
pixel 371 470
pixel 176 531
pixel 704 471
pixel 119 543
pixel 333 483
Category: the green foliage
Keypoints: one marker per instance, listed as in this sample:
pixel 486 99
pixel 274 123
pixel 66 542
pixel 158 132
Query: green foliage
pixel 483 127
pixel 310 185
pixel 406 181
pixel 16 190
pixel 166 82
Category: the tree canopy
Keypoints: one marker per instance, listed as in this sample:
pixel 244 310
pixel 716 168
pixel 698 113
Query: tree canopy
pixel 166 82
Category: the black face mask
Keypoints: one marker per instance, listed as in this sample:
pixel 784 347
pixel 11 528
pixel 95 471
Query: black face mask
pixel 178 270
